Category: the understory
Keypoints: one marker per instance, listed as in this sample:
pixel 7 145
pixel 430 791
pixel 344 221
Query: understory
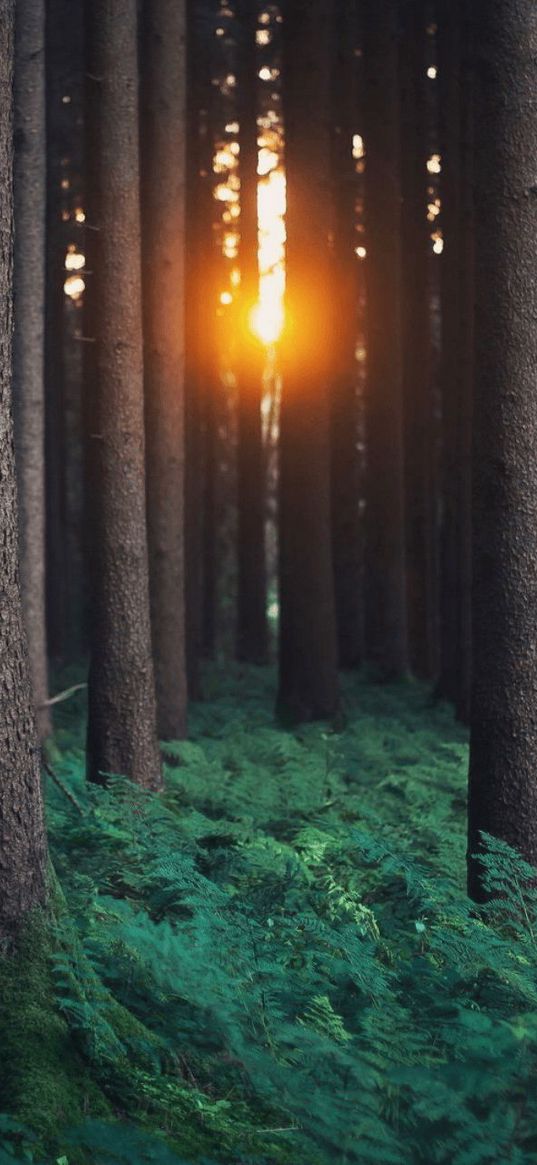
pixel 274 961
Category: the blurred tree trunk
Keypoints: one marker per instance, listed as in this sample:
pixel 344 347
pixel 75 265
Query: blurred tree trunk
pixel 252 643
pixel 163 238
pixel 308 684
pixel 22 831
pixel 346 462
pixel 197 84
pixel 457 296
pixel 386 623
pixel 503 748
pixel 419 420
pixel 28 337
pixel 122 711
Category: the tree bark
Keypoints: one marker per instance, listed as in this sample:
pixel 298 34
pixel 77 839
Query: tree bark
pixel 503 749
pixel 386 623
pixel 121 690
pixel 252 642
pixel 308 685
pixel 419 422
pixel 28 337
pixel 346 462
pixel 22 831
pixel 163 210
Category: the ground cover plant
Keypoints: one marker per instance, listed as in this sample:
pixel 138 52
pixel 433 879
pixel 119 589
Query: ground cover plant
pixel 275 959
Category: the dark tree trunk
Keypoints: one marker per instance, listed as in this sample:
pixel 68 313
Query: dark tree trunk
pixel 193 404
pixel 386 624
pixel 22 831
pixel 457 295
pixel 503 751
pixel 346 462
pixel 419 421
pixel 252 641
pixel 163 209
pixel 28 337
pixel 56 246
pixel 308 685
pixel 122 713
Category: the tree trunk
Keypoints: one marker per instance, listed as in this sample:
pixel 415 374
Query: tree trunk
pixel 386 625
pixel 419 423
pixel 163 183
pixel 28 337
pixel 503 750
pixel 22 831
pixel 308 685
pixel 346 462
pixel 252 641
pixel 457 294
pixel 121 691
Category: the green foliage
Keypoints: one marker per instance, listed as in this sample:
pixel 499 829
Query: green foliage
pixel 275 961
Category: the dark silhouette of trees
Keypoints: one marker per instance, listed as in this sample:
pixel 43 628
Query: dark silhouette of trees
pixel 503 791
pixel 385 590
pixel 420 429
pixel 121 694
pixel 346 460
pixel 28 337
pixel 252 582
pixel 308 687
pixel 163 214
pixel 22 831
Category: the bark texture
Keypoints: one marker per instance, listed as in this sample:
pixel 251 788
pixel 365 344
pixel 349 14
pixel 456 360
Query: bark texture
pixel 346 459
pixel 22 832
pixel 252 583
pixel 308 685
pixel 28 337
pixel 121 690
pixel 503 753
pixel 163 210
pixel 386 624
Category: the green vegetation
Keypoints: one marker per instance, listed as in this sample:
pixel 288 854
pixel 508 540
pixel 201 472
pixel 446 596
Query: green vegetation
pixel 275 961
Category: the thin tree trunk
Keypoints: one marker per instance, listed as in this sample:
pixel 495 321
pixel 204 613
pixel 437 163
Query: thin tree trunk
pixel 386 624
pixel 420 434
pixel 22 831
pixel 56 245
pixel 308 685
pixel 252 643
pixel 163 185
pixel 346 462
pixel 121 691
pixel 503 747
pixel 28 338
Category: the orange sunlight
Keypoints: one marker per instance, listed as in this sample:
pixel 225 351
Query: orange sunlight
pixel 266 319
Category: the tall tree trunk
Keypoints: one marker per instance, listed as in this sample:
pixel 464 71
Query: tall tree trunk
pixel 420 428
pixel 28 337
pixel 163 209
pixel 56 246
pixel 252 581
pixel 457 295
pixel 346 462
pixel 122 712
pixel 503 748
pixel 22 831
pixel 197 83
pixel 308 685
pixel 386 624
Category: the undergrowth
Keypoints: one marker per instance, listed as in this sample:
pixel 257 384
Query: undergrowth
pixel 275 962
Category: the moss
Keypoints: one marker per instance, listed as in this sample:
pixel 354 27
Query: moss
pixel 43 1078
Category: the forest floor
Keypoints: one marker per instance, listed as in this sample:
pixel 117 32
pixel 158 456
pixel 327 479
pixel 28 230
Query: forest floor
pixel 275 960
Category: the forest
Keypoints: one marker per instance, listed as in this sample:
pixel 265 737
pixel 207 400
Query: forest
pixel 268 582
